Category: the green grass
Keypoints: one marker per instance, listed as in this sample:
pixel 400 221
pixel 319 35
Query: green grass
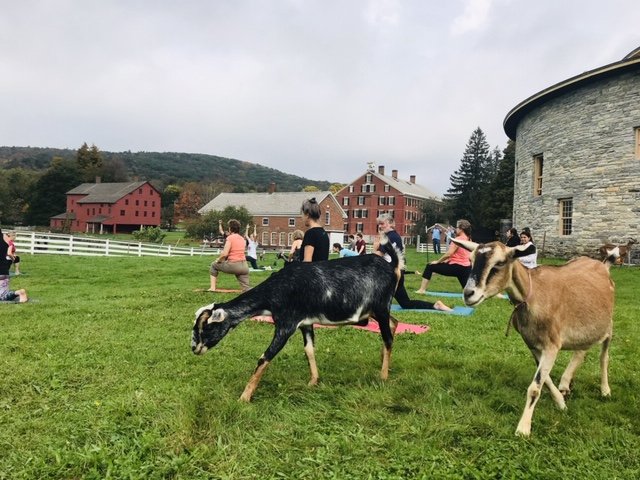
pixel 97 380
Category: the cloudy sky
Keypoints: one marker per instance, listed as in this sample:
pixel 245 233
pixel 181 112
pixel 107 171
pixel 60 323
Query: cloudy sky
pixel 315 88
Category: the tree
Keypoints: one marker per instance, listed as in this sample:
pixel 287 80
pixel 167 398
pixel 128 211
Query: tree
pixel 500 204
pixel 90 162
pixel 207 224
pixel 170 195
pixel 336 187
pixel 49 194
pixel 15 187
pixel 469 184
pixel 188 203
pixel 310 188
pixel 431 213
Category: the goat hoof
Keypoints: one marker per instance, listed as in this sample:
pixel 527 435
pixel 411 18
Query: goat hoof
pixel 565 392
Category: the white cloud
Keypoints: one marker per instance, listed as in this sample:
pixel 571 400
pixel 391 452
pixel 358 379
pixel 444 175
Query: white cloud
pixel 473 18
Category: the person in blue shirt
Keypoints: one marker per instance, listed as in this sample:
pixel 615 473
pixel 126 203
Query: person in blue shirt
pixel 435 238
pixel 344 252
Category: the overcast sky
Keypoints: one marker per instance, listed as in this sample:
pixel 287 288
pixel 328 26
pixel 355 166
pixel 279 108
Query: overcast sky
pixel 315 88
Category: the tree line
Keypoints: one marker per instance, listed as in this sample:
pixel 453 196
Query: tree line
pixel 481 188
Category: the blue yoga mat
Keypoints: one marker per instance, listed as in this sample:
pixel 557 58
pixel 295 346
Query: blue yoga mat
pixel 444 294
pixel 458 295
pixel 456 310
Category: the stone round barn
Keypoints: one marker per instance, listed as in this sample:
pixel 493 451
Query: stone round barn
pixel 577 174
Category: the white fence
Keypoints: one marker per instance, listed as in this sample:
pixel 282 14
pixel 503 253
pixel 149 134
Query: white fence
pixel 51 243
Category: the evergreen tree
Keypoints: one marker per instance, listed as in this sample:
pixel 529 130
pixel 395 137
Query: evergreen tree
pixel 469 183
pixel 90 162
pixel 499 205
pixel 49 196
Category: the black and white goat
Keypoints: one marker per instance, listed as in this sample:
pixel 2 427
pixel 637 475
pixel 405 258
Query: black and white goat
pixel 345 291
pixel 568 307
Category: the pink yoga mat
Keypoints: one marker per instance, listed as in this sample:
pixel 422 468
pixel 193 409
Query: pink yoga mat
pixel 372 326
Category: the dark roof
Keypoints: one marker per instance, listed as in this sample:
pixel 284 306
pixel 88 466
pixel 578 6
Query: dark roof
pixel 65 216
pixel 104 192
pixel 277 203
pixel 630 62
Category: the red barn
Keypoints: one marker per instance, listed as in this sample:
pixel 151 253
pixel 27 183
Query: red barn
pixel 110 208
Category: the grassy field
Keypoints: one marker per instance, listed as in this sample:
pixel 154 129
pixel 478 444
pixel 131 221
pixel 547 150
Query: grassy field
pixel 97 381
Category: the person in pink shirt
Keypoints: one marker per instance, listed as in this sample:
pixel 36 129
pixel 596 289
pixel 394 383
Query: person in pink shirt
pixel 454 263
pixel 232 259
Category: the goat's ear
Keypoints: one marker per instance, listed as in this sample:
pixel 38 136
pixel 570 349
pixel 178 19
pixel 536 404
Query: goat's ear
pixel 518 250
pixel 216 316
pixel 467 245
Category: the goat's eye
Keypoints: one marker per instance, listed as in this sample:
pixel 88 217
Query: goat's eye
pixel 499 265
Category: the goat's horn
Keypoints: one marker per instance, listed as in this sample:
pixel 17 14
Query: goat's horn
pixel 467 245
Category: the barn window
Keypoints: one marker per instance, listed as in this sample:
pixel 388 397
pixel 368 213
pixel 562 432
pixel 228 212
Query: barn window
pixel 359 227
pixel 265 238
pixel 538 161
pixel 292 222
pixel 345 201
pixel 327 218
pixel 274 238
pixel 265 221
pixel 566 216
pixel 637 131
pixel 361 200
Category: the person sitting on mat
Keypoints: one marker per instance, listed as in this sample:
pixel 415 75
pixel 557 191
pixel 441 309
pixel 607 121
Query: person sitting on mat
pixel 455 262
pixel 7 295
pixel 232 259
pixel 386 224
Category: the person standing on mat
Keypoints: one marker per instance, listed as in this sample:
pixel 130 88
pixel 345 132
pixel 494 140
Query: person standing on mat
pixel 386 225
pixel 455 262
pixel 232 259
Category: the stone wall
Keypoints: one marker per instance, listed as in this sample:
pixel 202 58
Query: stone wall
pixel 587 139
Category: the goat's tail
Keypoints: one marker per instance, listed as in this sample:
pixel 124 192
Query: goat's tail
pixel 612 256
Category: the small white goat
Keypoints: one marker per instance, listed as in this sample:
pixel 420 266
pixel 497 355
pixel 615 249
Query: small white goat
pixel 621 250
pixel 568 307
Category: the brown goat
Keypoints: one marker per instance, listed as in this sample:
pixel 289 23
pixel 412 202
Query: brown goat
pixel 623 249
pixel 568 307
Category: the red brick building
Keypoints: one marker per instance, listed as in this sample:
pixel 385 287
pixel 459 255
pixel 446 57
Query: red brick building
pixel 277 214
pixel 374 193
pixel 110 208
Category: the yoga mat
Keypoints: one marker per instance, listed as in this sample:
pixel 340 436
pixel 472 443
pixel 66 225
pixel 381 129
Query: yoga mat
pixel 16 302
pixel 372 326
pixel 218 290
pixel 444 294
pixel 456 310
pixel 458 295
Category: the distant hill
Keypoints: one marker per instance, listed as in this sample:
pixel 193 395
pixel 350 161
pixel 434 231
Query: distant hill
pixel 171 167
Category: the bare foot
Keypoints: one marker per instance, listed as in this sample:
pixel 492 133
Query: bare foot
pixel 441 306
pixel 421 291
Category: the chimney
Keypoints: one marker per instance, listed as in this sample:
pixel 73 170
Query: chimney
pixel 272 187
pixel 394 174
pixel 412 178
pixel 381 169
pixel 98 179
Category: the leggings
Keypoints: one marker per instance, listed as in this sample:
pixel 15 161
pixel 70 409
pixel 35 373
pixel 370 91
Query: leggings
pixel 448 270
pixel 404 301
